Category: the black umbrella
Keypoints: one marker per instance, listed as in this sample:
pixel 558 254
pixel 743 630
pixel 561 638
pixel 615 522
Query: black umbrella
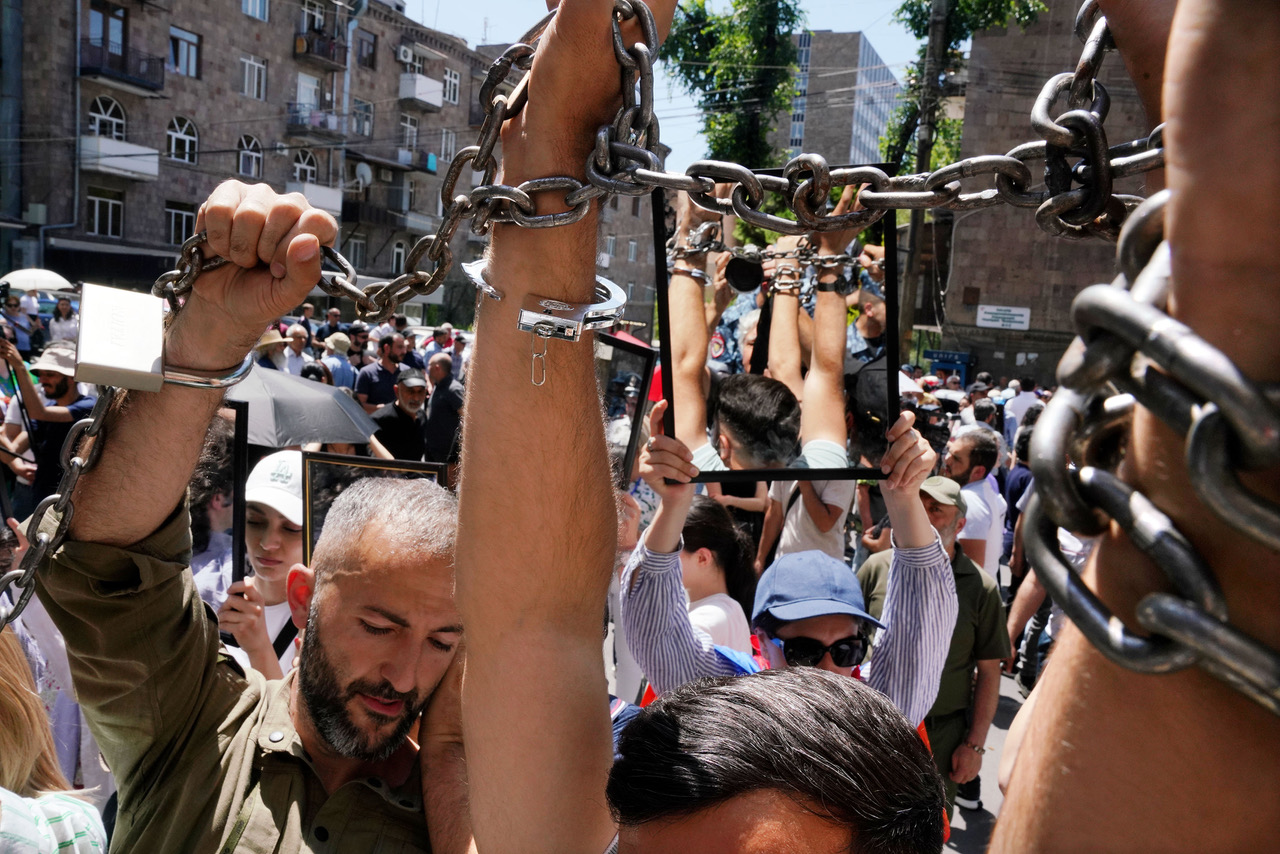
pixel 287 410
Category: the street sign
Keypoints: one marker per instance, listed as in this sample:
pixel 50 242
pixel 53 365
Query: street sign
pixel 1003 317
pixel 948 356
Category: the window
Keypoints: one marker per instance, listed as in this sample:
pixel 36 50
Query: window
pixel 361 117
pixel 635 206
pixel 312 15
pixel 305 168
pixel 366 49
pixel 253 77
pixel 631 289
pixel 631 250
pixel 613 202
pixel 106 213
pixel 184 52
pixel 448 144
pixel 250 157
pixel 408 131
pixel 180 221
pixel 255 8
pixel 357 249
pixel 106 118
pixel 308 92
pixel 397 258
pixel 410 194
pixel 181 140
pixel 452 81
pixel 611 246
pixel 107 27
pixel 415 64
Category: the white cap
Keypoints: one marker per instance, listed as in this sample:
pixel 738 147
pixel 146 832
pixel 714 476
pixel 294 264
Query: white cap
pixel 276 481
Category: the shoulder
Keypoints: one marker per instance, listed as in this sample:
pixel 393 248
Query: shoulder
pixel 386 412
pixel 877 565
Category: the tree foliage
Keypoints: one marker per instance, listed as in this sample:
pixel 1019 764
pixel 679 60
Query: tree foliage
pixel 740 65
pixel 964 18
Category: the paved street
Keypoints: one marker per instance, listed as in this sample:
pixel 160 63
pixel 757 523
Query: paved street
pixel 971 829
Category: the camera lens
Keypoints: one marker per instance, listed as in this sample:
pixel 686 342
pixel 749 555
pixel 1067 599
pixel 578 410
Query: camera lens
pixel 744 275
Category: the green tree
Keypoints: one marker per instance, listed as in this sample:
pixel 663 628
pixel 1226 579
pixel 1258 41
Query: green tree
pixel 740 65
pixel 964 18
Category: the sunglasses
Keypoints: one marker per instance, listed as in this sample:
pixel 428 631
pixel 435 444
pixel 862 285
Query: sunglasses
pixel 807 652
pixel 11 305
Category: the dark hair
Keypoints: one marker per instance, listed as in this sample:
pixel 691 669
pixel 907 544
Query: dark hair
pixel 984 377
pixel 984 446
pixel 763 415
pixel 386 341
pixel 316 372
pixel 709 526
pixel 983 409
pixel 1022 443
pixel 57 309
pixel 212 476
pixel 1027 383
pixel 1032 415
pixel 835 746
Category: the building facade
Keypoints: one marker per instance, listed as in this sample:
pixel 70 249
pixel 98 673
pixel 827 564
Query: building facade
pixel 844 95
pixel 1000 260
pixel 132 112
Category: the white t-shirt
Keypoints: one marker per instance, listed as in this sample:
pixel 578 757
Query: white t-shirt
pixel 1018 405
pixel 276 616
pixel 720 616
pixel 799 532
pixel 13 415
pixel 984 520
pixel 30 304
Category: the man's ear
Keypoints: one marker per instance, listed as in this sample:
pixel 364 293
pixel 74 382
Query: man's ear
pixel 300 586
pixel 978 473
pixel 220 501
pixel 724 447
pixel 960 526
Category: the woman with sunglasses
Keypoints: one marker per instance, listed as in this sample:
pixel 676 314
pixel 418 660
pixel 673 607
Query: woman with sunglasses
pixel 808 608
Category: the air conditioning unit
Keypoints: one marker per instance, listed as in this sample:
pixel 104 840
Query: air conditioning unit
pixel 405 53
pixel 384 175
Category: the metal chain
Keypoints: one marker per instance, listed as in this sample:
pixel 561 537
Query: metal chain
pixel 42 543
pixel 1131 352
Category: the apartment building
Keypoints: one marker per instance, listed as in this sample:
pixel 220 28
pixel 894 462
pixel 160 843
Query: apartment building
pixel 133 111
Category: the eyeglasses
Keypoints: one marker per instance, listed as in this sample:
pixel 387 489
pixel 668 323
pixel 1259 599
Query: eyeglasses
pixel 11 305
pixel 807 652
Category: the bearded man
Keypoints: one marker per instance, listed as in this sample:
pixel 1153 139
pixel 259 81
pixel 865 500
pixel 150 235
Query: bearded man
pixel 209 757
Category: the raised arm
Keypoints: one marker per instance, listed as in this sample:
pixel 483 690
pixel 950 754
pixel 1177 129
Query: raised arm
pixel 920 601
pixel 534 700
pixel 1123 787
pixel 688 333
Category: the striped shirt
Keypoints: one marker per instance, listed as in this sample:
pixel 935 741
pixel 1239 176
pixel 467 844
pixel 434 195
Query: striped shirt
pixel 919 615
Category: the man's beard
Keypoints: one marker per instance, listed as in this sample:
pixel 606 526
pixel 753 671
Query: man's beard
pixel 326 703
pixel 280 360
pixel 56 391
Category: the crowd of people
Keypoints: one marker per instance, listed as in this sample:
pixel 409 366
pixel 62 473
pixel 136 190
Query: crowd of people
pixel 789 663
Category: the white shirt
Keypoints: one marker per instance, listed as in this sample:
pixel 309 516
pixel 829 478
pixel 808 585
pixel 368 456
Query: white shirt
pixel 65 330
pixel 30 304
pixel 984 520
pixel 276 617
pixel 293 362
pixel 799 532
pixel 1017 406
pixel 720 616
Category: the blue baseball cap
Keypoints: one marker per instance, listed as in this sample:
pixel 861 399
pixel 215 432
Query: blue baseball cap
pixel 809 584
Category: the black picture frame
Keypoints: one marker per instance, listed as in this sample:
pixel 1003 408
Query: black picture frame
pixel 892 408
pixel 320 471
pixel 646 357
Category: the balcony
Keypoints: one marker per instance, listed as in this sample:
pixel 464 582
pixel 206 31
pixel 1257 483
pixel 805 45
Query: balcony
pixel 416 159
pixel 327 199
pixel 116 157
pixel 421 91
pixel 121 67
pixel 416 222
pixel 321 48
pixel 311 122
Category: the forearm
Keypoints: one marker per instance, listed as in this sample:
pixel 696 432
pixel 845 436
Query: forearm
pixel 784 342
pixel 986 697
pixel 1031 594
pixel 769 531
pixel 823 515
pixel 919 615
pixel 263 659
pixel 663 534
pixel 907 517
pixel 445 800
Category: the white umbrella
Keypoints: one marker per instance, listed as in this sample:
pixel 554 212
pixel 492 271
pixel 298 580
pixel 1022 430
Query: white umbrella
pixel 34 278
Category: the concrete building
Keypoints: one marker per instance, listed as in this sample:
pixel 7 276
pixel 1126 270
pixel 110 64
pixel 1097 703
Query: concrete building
pixel 845 94
pixel 1000 260
pixel 131 112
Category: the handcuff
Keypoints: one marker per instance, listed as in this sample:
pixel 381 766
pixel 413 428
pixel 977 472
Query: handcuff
pixel 545 318
pixel 843 285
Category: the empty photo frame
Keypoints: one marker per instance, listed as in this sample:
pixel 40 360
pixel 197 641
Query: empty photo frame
pixel 624 372
pixel 326 476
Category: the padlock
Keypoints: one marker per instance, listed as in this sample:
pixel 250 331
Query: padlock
pixel 121 338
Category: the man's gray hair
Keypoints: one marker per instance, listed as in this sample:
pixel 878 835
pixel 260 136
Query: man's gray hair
pixel 420 514
pixel 296 329
pixel 746 325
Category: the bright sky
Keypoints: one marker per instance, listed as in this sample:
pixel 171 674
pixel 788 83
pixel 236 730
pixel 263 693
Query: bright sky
pixel 498 21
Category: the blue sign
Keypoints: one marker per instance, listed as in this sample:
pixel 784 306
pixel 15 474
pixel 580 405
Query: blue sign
pixel 948 356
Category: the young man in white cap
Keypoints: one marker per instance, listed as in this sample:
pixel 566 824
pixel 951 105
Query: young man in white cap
pixel 254 610
pixel 50 421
